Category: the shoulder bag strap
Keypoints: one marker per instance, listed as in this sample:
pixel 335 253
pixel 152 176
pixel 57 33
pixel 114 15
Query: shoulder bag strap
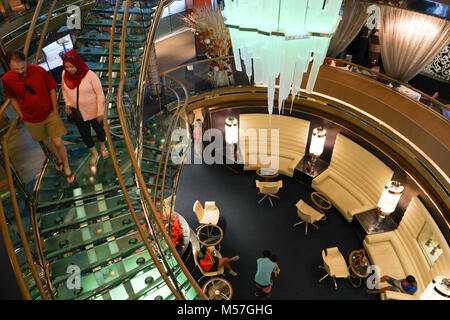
pixel 77 96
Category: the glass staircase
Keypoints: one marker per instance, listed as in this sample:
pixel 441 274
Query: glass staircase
pixel 89 225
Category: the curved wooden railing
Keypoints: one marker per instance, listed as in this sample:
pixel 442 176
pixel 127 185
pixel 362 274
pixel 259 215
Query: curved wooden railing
pixel 388 78
pixel 142 234
pixel 10 179
pixel 334 87
pixel 134 161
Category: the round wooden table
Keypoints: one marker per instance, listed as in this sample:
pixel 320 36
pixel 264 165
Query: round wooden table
pixel 209 235
pixel 359 266
pixel 218 289
pixel 320 201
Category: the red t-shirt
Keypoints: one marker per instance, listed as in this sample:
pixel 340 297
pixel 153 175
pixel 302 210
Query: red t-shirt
pixel 34 107
pixel 205 263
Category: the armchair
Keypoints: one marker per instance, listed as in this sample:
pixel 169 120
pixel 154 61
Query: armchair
pixel 269 189
pixel 208 215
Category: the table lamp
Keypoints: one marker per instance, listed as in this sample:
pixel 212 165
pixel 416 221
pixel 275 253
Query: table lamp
pixel 389 199
pixel 317 144
pixel 231 130
pixel 232 134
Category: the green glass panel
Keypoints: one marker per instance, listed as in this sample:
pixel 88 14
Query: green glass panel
pixel 94 233
pixel 92 258
pixel 108 23
pixel 75 215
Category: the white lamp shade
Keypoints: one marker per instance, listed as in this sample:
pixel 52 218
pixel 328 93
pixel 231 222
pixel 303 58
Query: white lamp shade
pixel 390 197
pixel 231 130
pixel 317 141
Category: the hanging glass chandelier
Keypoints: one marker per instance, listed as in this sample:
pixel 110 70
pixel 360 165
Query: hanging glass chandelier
pixel 281 38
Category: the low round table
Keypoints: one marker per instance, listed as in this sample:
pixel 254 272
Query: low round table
pixel 320 201
pixel 209 235
pixel 359 267
pixel 271 175
pixel 218 289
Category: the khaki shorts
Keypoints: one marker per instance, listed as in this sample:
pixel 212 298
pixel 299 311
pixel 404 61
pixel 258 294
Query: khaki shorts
pixel 52 127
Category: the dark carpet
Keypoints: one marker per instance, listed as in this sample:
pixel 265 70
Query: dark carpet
pixel 250 228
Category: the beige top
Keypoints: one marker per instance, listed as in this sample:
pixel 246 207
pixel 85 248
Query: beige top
pixel 91 99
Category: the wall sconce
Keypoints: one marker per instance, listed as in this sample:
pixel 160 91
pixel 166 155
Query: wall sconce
pixel 190 67
pixel 317 143
pixel 389 199
pixel 231 130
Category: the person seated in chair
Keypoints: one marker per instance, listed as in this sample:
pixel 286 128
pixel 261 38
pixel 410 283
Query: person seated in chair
pixel 209 263
pixel 407 285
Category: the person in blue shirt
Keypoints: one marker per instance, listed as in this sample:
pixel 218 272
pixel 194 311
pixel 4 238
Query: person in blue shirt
pixel 407 285
pixel 263 276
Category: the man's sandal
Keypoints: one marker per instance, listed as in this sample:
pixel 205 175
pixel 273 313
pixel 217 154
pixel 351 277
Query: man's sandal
pixel 59 166
pixel 69 177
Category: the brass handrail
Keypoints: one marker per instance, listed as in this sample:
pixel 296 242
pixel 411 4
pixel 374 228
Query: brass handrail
pixel 167 144
pixel 41 40
pixel 5 139
pixel 81 3
pixel 113 155
pixel 385 76
pixel 382 75
pixel 137 171
pixel 9 174
pixel 15 205
pixel 181 66
pixel 12 257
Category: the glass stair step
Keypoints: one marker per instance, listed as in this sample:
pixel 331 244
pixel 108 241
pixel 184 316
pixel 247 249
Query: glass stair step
pixel 108 23
pixel 168 183
pixel 108 277
pixel 104 37
pixel 152 169
pixel 97 66
pixel 129 82
pixel 91 234
pixel 110 10
pixel 76 215
pixel 94 51
pixel 97 256
pixel 139 286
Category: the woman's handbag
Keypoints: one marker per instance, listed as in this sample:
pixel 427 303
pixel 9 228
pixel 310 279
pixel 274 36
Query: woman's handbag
pixel 75 114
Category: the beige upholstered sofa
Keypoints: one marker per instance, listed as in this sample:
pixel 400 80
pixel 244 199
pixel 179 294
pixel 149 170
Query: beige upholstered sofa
pixel 398 254
pixel 255 132
pixel 354 180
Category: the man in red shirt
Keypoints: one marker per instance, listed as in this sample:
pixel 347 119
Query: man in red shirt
pixel 31 90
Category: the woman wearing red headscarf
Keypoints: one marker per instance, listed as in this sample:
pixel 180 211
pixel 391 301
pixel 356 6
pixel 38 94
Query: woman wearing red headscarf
pixel 91 101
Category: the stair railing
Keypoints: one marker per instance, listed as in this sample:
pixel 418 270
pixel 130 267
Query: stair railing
pixel 142 234
pixel 131 151
pixel 8 172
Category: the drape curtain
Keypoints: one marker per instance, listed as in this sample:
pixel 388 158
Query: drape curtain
pixel 409 41
pixel 354 17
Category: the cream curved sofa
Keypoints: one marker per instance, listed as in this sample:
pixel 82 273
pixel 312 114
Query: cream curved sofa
pixel 397 253
pixel 354 180
pixel 255 132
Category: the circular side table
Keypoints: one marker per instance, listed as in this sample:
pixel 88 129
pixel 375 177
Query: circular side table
pixel 358 265
pixel 209 235
pixel 270 175
pixel 320 201
pixel 218 289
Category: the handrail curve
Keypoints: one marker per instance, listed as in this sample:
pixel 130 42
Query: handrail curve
pixel 134 161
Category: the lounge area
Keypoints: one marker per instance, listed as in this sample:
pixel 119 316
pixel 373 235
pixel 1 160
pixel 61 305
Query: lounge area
pixel 327 202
